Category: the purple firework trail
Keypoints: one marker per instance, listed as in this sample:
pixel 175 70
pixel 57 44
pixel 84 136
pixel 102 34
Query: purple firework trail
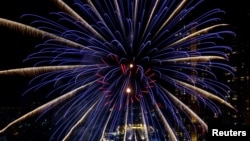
pixel 124 66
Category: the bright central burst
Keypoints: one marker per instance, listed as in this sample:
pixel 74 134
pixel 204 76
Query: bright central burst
pixel 127 69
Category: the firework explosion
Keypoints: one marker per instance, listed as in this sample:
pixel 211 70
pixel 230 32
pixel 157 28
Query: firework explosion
pixel 124 68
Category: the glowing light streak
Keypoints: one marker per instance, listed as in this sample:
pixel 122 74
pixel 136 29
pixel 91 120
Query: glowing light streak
pixel 106 124
pixel 126 125
pixel 69 10
pixel 37 32
pixel 38 70
pixel 79 121
pixel 168 128
pixel 206 94
pixel 185 108
pixel 145 125
pixel 194 59
pixel 177 9
pixel 205 30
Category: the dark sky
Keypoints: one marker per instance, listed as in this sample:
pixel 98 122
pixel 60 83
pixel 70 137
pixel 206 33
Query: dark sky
pixel 16 46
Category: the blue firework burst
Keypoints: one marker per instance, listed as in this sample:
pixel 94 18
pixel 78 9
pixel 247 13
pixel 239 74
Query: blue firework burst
pixel 126 68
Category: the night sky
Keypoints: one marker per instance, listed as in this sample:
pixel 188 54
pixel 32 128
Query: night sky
pixel 16 46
